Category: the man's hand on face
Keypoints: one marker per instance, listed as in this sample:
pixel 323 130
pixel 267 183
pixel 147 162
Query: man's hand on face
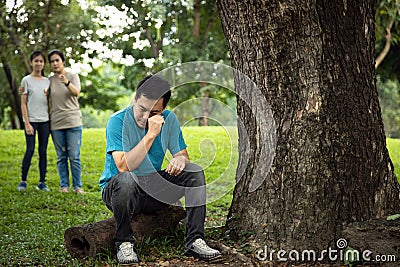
pixel 176 165
pixel 155 123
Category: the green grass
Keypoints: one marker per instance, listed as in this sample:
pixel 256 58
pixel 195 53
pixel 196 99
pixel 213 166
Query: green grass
pixel 393 146
pixel 33 222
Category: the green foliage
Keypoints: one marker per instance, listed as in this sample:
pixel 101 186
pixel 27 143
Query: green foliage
pixel 30 25
pixel 393 146
pixel 387 12
pixel 93 118
pixel 102 88
pixel 32 224
pixel 148 37
pixel 163 32
pixel 49 25
pixel 221 113
pixel 393 217
pixel 389 99
pixel 387 16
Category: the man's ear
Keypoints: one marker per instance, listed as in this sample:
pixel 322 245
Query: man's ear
pixel 134 97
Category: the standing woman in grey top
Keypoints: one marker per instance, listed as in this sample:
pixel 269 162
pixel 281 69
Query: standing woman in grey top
pixel 65 121
pixel 34 108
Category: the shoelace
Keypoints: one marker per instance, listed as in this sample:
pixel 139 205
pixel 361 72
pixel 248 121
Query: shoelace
pixel 126 248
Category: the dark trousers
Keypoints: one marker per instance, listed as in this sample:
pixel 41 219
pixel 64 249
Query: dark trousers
pixel 43 132
pixel 127 194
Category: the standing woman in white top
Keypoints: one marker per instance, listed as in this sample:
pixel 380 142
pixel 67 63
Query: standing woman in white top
pixel 34 108
pixel 65 121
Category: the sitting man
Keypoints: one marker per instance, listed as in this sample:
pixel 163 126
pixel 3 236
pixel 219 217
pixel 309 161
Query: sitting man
pixel 132 180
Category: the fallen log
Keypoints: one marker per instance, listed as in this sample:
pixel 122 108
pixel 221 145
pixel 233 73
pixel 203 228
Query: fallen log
pixel 379 239
pixel 90 239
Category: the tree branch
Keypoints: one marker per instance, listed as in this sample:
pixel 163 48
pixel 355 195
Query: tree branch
pixel 10 28
pixel 153 45
pixel 209 25
pixel 386 49
pixel 196 26
pixel 46 25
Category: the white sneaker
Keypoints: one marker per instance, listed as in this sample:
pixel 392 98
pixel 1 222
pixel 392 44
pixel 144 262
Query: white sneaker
pixel 199 249
pixel 126 254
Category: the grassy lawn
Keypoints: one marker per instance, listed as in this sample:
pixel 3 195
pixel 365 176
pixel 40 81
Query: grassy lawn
pixel 33 222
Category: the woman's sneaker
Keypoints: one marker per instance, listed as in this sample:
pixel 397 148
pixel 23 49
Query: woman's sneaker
pixel 43 187
pixel 126 254
pixel 21 186
pixel 200 250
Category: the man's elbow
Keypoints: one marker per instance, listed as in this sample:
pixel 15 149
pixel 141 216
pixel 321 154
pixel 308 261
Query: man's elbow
pixel 122 168
pixel 121 165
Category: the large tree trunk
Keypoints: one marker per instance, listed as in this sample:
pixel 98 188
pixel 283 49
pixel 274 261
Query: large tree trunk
pixel 313 62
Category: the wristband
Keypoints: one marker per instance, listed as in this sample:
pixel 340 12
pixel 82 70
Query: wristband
pixel 67 84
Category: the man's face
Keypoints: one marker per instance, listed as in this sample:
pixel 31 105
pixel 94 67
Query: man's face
pixel 145 108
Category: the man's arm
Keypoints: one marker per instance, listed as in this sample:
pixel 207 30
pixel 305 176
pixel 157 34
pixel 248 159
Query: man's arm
pixel 128 161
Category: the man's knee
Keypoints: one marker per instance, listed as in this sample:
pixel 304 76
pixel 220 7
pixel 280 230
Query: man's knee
pixel 192 167
pixel 196 174
pixel 121 188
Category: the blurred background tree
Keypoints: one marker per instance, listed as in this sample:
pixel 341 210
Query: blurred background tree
pixel 387 48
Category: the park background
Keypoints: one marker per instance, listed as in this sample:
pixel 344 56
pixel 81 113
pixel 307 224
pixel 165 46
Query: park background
pixel 111 55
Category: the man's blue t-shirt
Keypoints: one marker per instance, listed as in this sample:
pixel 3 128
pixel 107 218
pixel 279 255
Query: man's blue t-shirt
pixel 123 134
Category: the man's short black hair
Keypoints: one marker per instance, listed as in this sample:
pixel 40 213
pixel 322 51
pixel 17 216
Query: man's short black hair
pixel 154 87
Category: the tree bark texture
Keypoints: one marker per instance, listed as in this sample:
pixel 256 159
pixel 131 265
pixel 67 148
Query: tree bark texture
pixel 313 61
pixel 90 239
